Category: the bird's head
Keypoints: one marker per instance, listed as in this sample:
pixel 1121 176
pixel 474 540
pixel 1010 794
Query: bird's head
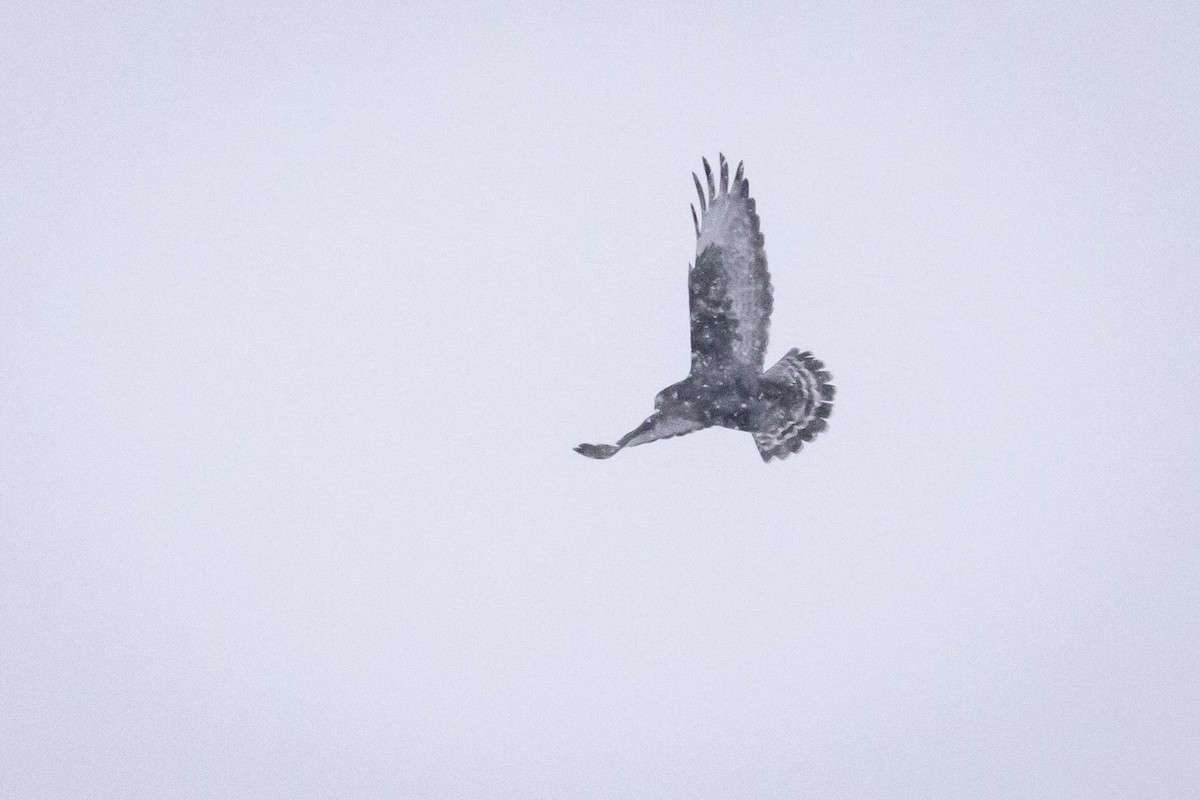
pixel 678 400
pixel 667 397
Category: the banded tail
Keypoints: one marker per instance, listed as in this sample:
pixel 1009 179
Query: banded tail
pixel 802 400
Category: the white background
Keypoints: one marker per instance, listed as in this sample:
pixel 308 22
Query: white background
pixel 303 307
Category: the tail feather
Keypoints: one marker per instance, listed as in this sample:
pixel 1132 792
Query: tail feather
pixel 802 394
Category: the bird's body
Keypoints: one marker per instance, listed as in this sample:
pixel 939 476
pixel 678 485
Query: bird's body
pixel 730 300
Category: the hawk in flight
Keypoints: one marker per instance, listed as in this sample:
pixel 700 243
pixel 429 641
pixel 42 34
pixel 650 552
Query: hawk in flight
pixel 729 294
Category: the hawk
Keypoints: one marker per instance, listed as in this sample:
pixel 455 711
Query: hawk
pixel 729 295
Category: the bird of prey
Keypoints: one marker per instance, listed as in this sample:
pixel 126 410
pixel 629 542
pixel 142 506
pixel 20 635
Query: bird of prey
pixel 729 295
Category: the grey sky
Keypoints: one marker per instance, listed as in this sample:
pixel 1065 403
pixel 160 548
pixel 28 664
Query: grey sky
pixel 303 309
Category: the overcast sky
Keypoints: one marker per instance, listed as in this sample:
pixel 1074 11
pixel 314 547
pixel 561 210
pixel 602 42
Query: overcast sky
pixel 303 307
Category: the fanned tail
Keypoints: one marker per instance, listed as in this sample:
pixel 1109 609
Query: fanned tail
pixel 802 400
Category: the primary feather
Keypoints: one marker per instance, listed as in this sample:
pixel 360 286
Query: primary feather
pixel 729 287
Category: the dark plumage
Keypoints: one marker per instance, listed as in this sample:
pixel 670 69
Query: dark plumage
pixel 729 295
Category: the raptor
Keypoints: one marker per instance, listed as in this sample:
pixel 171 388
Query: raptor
pixel 730 300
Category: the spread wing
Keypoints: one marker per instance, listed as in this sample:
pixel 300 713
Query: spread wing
pixel 729 288
pixel 657 426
